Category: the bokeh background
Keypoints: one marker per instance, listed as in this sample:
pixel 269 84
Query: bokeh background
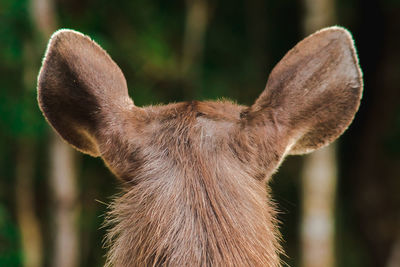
pixel 53 199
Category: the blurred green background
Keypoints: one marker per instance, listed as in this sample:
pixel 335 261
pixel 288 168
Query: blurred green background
pixel 182 50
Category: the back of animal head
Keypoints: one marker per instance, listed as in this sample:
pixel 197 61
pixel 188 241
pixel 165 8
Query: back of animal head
pixel 195 172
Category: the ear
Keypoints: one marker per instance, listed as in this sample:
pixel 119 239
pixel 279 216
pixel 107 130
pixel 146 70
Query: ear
pixel 80 89
pixel 314 92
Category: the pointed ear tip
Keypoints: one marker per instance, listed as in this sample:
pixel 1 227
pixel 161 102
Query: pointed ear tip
pixel 63 39
pixel 338 32
pixel 61 33
pixel 59 37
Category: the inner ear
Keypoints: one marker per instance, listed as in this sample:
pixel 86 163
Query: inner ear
pixel 314 92
pixel 80 89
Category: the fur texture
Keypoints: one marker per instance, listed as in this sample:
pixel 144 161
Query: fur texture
pixel 194 173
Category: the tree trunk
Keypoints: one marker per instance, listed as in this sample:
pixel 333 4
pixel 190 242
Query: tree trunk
pixel 65 209
pixel 31 238
pixel 394 258
pixel 62 170
pixel 193 43
pixel 319 175
pixel 319 189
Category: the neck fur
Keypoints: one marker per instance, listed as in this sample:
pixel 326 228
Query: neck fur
pixel 200 215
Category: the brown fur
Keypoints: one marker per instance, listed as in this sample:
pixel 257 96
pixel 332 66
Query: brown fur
pixel 194 173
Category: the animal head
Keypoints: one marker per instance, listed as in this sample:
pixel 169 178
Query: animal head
pixel 194 173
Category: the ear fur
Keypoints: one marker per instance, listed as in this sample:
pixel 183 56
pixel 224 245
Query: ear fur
pixel 313 93
pixel 79 88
